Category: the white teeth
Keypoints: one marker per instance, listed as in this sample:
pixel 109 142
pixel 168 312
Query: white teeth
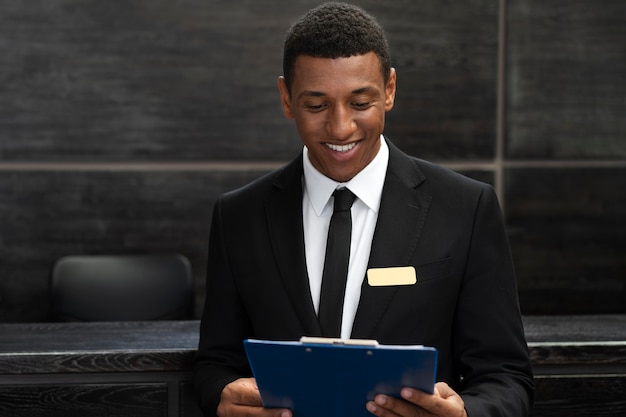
pixel 341 148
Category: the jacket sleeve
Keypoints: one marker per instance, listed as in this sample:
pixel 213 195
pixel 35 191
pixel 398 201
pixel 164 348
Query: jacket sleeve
pixel 489 341
pixel 220 358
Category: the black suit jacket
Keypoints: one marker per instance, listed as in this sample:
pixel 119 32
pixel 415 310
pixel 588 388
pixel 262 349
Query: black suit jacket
pixel 447 226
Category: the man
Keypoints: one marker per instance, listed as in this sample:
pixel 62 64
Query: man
pixel 268 242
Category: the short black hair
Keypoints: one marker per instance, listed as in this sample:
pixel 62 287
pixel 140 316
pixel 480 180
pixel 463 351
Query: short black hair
pixel 334 30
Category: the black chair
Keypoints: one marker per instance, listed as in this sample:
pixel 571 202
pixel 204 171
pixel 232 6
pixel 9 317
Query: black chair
pixel 121 288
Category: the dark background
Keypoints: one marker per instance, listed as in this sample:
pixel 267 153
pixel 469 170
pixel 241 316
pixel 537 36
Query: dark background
pixel 122 121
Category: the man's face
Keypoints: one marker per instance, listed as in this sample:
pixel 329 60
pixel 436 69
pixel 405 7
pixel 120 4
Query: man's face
pixel 339 108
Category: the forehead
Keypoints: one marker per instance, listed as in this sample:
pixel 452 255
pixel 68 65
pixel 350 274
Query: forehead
pixel 322 74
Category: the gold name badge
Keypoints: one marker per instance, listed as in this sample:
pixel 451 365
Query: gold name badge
pixel 385 277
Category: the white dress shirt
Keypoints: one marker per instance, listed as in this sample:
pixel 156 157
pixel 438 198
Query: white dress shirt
pixel 317 208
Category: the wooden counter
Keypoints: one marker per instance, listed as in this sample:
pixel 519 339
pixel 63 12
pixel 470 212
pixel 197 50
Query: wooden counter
pixel 144 368
pixel 98 369
pixel 579 364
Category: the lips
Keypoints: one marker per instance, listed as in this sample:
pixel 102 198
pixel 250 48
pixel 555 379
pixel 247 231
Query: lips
pixel 341 148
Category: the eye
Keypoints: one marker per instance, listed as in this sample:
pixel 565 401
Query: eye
pixel 315 107
pixel 361 105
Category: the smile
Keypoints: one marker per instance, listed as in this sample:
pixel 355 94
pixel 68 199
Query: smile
pixel 341 148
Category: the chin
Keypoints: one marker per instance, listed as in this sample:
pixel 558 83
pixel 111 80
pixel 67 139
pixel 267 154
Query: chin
pixel 343 177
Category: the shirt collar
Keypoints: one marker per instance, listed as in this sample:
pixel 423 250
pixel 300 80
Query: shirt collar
pixel 367 185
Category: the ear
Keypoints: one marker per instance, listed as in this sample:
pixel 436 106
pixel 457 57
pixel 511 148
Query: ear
pixel 390 90
pixel 285 97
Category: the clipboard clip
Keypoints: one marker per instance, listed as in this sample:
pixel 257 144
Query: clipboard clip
pixel 338 341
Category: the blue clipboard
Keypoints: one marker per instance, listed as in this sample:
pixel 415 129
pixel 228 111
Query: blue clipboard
pixel 335 377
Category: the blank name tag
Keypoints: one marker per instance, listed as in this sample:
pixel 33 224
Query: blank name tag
pixel 385 277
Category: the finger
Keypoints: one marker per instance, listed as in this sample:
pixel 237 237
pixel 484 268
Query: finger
pixel 242 398
pixel 428 402
pixel 242 391
pixel 387 406
pixel 232 410
pixel 444 390
pixel 444 401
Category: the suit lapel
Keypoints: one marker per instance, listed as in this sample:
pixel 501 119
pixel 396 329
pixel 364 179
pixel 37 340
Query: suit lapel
pixel 400 221
pixel 284 218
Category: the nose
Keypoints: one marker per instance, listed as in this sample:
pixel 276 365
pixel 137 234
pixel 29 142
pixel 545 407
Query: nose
pixel 340 124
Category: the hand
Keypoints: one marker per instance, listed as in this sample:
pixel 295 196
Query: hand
pixel 242 398
pixel 445 402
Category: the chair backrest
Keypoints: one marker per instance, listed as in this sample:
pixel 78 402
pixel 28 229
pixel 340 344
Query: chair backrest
pixel 121 287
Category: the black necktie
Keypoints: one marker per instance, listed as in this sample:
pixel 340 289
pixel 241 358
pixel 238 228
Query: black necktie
pixel 336 264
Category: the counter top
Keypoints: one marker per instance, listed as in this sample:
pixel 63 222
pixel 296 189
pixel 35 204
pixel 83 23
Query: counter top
pixel 27 348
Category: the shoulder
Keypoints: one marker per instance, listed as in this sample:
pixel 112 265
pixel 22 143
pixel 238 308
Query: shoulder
pixel 438 175
pixel 430 176
pixel 286 177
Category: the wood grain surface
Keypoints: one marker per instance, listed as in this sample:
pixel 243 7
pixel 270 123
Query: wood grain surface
pixel 566 79
pixel 144 368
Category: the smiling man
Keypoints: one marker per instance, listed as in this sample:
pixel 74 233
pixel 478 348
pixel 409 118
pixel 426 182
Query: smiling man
pixel 339 107
pixel 272 244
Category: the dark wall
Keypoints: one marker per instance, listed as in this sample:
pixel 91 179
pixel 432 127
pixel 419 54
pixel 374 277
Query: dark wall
pixel 121 122
pixel 565 153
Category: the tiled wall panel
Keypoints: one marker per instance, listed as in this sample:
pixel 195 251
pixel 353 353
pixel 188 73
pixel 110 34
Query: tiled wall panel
pixel 566 79
pixel 89 80
pixel 142 80
pixel 568 237
pixel 446 57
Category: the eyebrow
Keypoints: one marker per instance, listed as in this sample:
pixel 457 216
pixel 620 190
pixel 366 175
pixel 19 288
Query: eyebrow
pixel 361 90
pixel 312 94
pixel 364 90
